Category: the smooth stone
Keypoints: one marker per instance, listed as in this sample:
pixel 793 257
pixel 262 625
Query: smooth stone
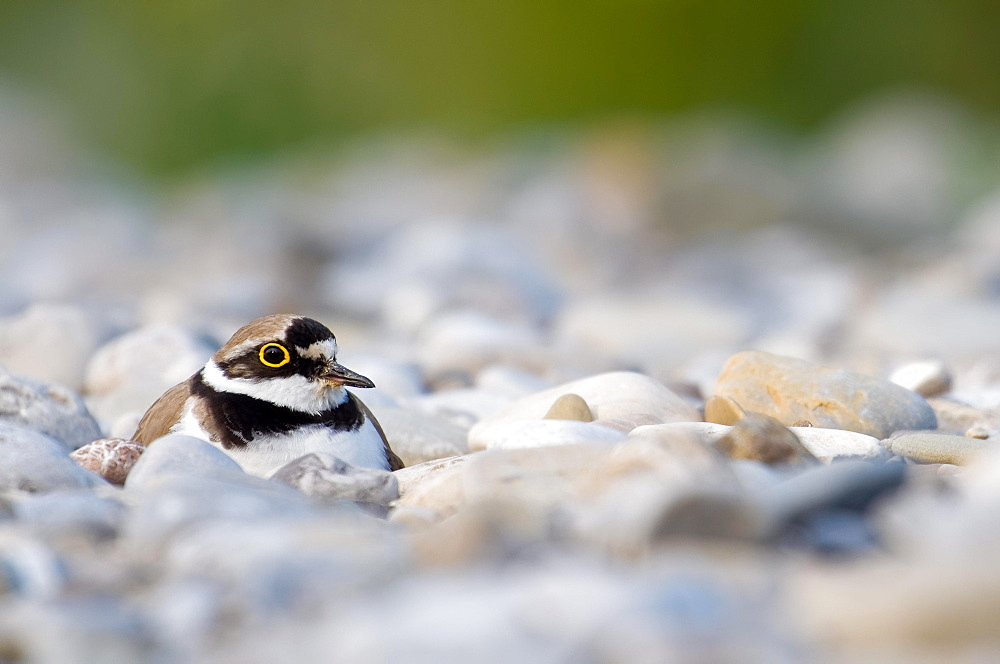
pixel 71 512
pixel 957 417
pixel 470 341
pixel 630 399
pixel 181 456
pixel 52 410
pixel 723 410
pixel 928 378
pixel 32 570
pixel 52 342
pixel 570 407
pixel 846 484
pixel 413 476
pixel 130 372
pixel 520 434
pixel 464 406
pixel 325 476
pixel 790 389
pixel 417 437
pixel 830 444
pixel 761 438
pixel 111 458
pixel 937 447
pixel 705 433
pixel 34 462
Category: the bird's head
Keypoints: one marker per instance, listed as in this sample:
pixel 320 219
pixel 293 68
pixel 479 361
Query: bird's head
pixel 286 360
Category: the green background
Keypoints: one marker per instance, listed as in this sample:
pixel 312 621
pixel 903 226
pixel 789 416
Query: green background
pixel 167 86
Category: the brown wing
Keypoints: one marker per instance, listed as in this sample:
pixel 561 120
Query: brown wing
pixel 163 414
pixel 395 463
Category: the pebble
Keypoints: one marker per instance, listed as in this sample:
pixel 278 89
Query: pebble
pixel 111 458
pixel 417 437
pixel 130 372
pixel 761 438
pixel 928 378
pixel 937 447
pixel 723 410
pixel 324 476
pixel 830 444
pixel 570 407
pixel 956 417
pixel 49 409
pixel 52 342
pixel 517 434
pixel 175 455
pixel 34 462
pixel 72 513
pixel 623 399
pixel 790 389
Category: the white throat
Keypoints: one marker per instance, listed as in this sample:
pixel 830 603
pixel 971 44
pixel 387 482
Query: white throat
pixel 295 392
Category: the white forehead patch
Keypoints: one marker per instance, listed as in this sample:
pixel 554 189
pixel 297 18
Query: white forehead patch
pixel 319 350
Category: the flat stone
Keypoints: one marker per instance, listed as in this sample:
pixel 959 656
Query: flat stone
pixel 830 444
pixel 53 410
pixel 111 458
pixel 761 438
pixel 324 476
pixel 570 407
pixel 627 399
pixel 71 513
pixel 34 462
pixel 790 389
pixel 938 448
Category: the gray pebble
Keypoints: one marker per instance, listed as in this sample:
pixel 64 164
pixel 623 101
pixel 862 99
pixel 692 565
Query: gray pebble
pixel 32 461
pixel 51 409
pixel 324 476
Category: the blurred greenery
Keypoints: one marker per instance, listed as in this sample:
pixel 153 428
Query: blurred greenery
pixel 170 85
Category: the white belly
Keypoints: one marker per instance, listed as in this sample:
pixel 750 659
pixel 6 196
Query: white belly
pixel 266 454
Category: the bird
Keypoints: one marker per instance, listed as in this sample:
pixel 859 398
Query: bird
pixel 273 393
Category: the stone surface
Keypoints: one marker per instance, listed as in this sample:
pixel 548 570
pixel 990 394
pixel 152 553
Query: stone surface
pixel 723 410
pixel 52 342
pixel 762 438
pixel 829 444
pixel 570 407
pixel 324 476
pixel 790 389
pixel 180 456
pixel 417 437
pixel 626 399
pixel 50 409
pixel 111 458
pixel 34 462
pixel 131 371
pixel 957 417
pixel 929 378
pixel 518 434
pixel 938 448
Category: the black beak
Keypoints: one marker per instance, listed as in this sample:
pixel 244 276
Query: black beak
pixel 341 375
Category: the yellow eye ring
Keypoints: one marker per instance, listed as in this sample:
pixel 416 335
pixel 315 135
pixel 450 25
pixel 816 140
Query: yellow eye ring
pixel 269 363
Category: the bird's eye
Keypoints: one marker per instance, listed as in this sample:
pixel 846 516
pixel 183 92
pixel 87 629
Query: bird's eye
pixel 274 355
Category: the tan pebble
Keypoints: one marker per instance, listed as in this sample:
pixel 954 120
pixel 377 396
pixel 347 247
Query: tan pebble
pixel 802 423
pixel 937 447
pixel 570 407
pixel 979 432
pixel 111 458
pixel 762 438
pixel 723 410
